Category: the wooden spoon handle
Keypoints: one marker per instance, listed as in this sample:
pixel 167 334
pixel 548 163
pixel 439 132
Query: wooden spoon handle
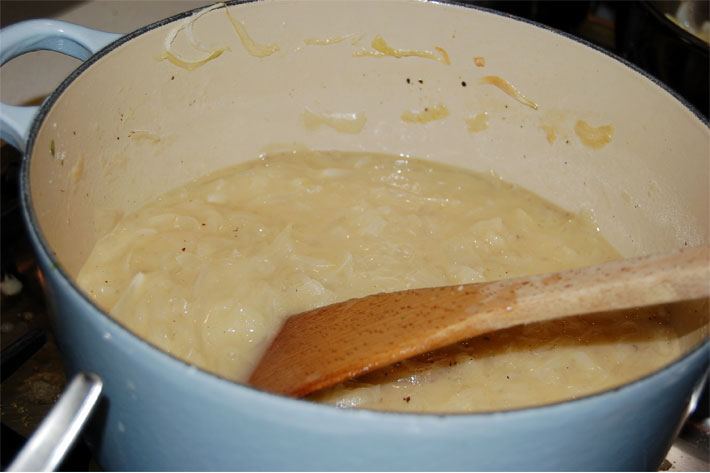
pixel 324 346
pixel 621 284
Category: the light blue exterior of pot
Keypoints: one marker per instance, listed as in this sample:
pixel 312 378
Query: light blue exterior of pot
pixel 161 414
pixel 158 413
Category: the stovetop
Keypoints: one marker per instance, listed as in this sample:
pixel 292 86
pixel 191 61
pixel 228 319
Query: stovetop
pixel 32 371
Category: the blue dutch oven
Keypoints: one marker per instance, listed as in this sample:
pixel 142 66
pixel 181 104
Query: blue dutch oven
pixel 85 165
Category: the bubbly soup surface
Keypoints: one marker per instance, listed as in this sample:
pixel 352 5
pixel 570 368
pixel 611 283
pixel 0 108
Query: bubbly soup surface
pixel 209 271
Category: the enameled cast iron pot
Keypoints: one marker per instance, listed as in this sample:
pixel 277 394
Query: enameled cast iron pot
pixel 127 126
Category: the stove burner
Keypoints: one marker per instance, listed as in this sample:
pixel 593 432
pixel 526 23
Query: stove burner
pixel 31 371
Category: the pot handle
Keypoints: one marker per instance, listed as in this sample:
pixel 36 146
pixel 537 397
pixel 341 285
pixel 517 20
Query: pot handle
pixel 36 35
pixel 46 448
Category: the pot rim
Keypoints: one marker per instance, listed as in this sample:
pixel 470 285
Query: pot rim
pixel 42 246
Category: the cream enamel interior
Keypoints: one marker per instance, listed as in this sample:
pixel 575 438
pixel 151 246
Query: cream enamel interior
pixel 132 127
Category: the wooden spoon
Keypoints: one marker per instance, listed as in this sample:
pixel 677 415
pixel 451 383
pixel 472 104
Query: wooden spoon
pixel 321 347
